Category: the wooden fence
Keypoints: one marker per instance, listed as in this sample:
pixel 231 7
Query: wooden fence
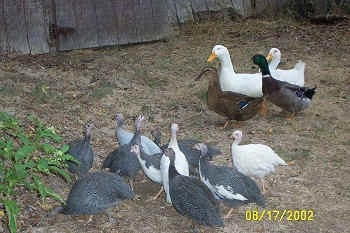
pixel 35 26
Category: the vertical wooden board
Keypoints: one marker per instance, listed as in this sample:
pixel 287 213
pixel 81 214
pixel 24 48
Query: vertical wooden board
pixel 3 29
pixel 16 26
pixel 106 23
pixel 172 17
pixel 37 26
pixel 65 18
pixel 240 6
pixel 144 21
pixel 199 5
pixel 160 19
pixel 85 18
pixel 125 11
pixel 183 10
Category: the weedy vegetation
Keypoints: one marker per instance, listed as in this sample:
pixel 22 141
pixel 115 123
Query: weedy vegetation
pixel 28 151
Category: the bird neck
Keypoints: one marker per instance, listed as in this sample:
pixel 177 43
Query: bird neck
pixel 236 141
pixel 173 140
pixel 274 63
pixel 172 172
pixel 265 69
pixel 226 64
pixel 203 163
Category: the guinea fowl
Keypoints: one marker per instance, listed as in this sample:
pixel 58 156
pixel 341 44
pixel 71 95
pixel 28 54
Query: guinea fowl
pixel 291 98
pixel 125 136
pixel 254 159
pixel 186 146
pixel 150 165
pixel 190 197
pixel 227 183
pixel 233 106
pixel 181 163
pixel 96 192
pixel 81 150
pixel 122 160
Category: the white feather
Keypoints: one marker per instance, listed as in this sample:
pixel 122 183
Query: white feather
pixel 151 172
pixel 246 84
pixel 294 76
pixel 164 170
pixel 255 159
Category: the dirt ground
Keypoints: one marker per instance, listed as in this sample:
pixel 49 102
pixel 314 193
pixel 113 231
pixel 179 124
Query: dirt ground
pixel 157 79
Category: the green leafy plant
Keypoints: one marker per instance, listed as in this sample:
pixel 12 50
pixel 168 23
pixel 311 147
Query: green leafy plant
pixel 28 151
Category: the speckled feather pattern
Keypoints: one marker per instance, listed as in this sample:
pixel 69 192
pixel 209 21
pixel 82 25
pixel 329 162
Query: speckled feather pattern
pixel 95 192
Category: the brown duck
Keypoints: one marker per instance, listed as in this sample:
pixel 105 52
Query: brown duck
pixel 232 105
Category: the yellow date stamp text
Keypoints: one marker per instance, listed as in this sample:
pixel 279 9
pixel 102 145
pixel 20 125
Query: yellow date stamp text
pixel 279 215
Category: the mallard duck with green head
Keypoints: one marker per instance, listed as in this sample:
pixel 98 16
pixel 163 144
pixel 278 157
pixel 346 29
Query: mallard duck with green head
pixel 291 98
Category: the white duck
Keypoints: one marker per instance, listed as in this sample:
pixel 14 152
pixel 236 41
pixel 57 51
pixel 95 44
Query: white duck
pixel 246 84
pixel 254 159
pixel 294 76
pixel 181 163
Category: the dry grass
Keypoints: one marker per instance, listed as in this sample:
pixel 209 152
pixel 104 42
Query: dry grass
pixel 157 79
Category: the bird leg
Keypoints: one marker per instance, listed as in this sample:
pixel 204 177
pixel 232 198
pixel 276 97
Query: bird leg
pixel 131 183
pixel 262 109
pixel 157 195
pixel 234 124
pixel 291 116
pixel 229 213
pixel 263 185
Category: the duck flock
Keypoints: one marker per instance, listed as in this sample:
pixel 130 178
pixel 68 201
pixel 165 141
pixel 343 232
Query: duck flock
pixel 193 185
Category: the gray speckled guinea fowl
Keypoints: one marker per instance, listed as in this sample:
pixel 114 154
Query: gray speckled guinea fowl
pixel 124 137
pixel 122 160
pixel 227 183
pixel 81 150
pixel 96 192
pixel 190 197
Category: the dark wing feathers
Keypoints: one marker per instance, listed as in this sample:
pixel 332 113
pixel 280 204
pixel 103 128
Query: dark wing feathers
pixel 190 197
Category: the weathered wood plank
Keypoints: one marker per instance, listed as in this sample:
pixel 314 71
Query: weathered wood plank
pixel 3 29
pixel 106 23
pixel 81 16
pixel 65 18
pixel 125 11
pixel 199 5
pixel 37 26
pixel 143 20
pixel 160 19
pixel 86 26
pixel 183 11
pixel 16 26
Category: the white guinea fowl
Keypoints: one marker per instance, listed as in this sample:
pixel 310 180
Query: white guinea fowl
pixel 254 159
pixel 181 163
pixel 294 76
pixel 246 84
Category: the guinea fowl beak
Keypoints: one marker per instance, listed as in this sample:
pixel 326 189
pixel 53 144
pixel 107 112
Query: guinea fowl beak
pixel 211 57
pixel 269 57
